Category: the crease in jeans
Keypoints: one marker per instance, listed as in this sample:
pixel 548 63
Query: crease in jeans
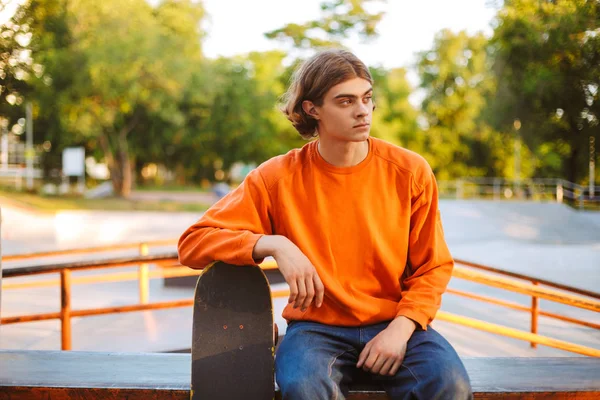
pixel 330 371
pixel 360 335
pixel 409 370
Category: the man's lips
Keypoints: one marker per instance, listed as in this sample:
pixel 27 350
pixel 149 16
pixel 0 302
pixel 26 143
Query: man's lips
pixel 362 125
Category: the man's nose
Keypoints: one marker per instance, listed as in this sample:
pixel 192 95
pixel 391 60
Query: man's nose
pixel 362 109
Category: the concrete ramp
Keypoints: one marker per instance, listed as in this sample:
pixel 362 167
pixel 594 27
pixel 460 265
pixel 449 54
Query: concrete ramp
pixel 547 240
pixel 522 222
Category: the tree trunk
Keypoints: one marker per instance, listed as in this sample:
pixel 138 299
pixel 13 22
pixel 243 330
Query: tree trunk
pixel 119 161
pixel 125 167
pixel 119 165
pixel 111 162
pixel 572 161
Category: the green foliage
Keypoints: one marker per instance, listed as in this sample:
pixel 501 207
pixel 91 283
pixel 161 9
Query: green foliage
pixel 16 64
pixel 128 81
pixel 394 118
pixel 133 63
pixel 340 19
pixel 231 116
pixel 454 75
pixel 548 56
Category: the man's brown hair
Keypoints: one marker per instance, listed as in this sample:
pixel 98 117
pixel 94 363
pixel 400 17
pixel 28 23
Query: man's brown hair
pixel 313 79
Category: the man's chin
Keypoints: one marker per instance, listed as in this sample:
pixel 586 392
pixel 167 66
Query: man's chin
pixel 354 137
pixel 361 137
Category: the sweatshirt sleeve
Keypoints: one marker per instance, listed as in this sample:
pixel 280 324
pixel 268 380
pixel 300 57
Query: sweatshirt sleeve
pixel 429 260
pixel 229 230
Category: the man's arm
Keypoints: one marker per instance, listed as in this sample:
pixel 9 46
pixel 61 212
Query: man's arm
pixel 230 229
pixel 429 259
pixel 300 274
pixel 237 230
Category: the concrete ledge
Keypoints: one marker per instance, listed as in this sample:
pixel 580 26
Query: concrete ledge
pixel 32 375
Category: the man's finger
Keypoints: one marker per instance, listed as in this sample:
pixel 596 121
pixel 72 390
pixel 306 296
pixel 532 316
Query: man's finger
pixel 363 356
pixel 301 293
pixel 385 368
pixel 310 293
pixel 293 291
pixel 380 361
pixel 370 362
pixel 395 367
pixel 319 290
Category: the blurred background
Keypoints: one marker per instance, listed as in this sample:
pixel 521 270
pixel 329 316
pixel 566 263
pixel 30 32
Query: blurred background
pixel 180 94
pixel 121 121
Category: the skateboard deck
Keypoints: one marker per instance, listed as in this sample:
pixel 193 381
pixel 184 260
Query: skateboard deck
pixel 232 335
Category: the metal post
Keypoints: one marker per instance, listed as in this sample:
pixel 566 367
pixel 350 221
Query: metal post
pixel 29 153
pixel 19 179
pixel 517 159
pixel 65 308
pixel 559 192
pixel 144 276
pixel 535 310
pixel 4 145
pixel 496 189
pixel 592 167
pixel 0 267
pixel 460 189
pixel 517 151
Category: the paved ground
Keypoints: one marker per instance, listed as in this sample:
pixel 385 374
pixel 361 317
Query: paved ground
pixel 182 197
pixel 547 240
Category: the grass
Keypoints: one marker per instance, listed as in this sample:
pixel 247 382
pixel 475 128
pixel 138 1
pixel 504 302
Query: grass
pixel 172 188
pixel 56 203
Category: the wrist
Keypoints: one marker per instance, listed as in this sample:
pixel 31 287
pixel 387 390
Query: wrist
pixel 269 246
pixel 404 326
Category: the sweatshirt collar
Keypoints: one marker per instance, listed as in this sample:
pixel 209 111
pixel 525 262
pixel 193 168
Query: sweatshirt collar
pixel 324 165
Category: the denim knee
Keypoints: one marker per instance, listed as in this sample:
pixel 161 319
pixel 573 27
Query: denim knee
pixel 453 384
pixel 299 386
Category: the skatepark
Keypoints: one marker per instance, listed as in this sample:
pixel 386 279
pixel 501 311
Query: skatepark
pixel 546 240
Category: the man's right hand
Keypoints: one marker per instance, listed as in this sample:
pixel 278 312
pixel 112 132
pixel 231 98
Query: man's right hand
pixel 305 285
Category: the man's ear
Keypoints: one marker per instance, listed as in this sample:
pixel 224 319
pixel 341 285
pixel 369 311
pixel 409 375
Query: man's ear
pixel 310 109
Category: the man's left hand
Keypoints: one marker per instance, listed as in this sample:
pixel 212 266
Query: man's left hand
pixel 384 354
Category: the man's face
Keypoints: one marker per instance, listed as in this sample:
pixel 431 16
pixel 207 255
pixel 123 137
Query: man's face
pixel 346 111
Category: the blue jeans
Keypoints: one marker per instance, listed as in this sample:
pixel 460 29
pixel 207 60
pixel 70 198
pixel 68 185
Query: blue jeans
pixel 316 361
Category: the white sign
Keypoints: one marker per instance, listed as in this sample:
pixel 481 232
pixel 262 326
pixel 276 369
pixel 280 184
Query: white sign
pixel 73 161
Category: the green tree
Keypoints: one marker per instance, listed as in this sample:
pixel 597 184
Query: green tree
pixel 454 76
pixel 395 118
pixel 340 19
pixel 548 58
pixel 232 115
pixel 135 62
pixel 57 64
pixel 16 64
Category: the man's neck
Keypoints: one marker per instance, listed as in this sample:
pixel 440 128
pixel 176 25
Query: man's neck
pixel 343 154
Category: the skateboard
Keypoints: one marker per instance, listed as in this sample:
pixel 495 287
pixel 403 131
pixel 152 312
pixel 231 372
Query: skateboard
pixel 232 335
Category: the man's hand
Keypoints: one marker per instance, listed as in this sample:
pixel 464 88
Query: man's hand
pixel 305 285
pixel 384 354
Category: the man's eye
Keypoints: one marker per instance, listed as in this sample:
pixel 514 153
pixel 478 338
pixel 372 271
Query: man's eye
pixel 368 99
pixel 345 102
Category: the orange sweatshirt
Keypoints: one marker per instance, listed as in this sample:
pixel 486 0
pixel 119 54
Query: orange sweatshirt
pixel 360 227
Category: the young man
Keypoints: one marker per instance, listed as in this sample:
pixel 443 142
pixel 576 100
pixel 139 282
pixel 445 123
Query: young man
pixel 354 226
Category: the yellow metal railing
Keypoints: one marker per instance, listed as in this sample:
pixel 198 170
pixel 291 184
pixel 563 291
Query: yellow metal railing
pixel 169 267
